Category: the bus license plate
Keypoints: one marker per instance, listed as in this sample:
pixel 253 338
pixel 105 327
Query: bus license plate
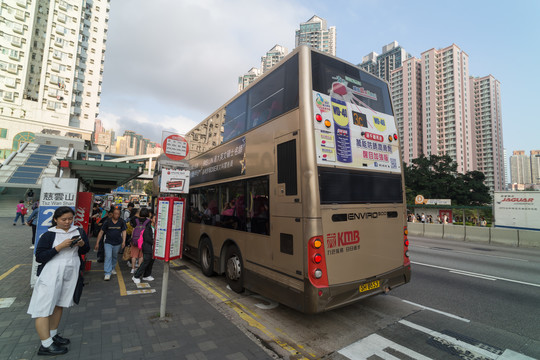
pixel 370 285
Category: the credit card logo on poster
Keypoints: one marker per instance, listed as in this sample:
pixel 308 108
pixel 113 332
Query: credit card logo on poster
pixel 322 104
pixel 359 119
pixel 380 123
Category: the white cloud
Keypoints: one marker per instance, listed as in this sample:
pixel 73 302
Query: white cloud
pixel 182 59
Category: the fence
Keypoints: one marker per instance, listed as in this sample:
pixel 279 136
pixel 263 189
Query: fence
pixel 488 235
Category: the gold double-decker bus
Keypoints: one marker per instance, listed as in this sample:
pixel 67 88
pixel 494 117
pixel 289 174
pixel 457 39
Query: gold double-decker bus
pixel 303 199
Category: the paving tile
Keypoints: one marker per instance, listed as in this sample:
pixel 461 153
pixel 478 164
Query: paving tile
pixel 106 325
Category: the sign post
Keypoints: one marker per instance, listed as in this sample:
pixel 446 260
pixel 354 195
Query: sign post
pixel 169 237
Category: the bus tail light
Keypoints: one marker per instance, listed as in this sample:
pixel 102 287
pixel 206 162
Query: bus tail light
pixel 317 262
pixel 406 261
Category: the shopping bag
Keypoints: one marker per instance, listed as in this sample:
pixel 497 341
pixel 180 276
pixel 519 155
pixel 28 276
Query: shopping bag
pixel 127 253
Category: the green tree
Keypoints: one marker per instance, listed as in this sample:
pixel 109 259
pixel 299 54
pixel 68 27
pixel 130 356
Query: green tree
pixel 149 188
pixel 436 177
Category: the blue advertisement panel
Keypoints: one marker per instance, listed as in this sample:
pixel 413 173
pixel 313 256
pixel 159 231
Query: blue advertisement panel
pixel 55 192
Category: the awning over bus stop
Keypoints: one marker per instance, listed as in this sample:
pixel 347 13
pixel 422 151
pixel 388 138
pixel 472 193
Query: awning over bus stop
pixel 102 176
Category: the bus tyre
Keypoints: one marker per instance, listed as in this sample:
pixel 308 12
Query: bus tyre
pixel 234 271
pixel 206 257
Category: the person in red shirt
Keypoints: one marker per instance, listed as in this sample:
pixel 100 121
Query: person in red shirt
pixel 21 211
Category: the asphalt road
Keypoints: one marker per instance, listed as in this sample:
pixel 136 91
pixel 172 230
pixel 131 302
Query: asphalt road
pixel 493 285
pixel 465 301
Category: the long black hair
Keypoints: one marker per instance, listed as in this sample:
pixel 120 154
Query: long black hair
pixel 61 211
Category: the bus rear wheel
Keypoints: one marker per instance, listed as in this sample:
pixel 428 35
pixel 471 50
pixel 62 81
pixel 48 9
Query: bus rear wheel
pixel 235 269
pixel 206 257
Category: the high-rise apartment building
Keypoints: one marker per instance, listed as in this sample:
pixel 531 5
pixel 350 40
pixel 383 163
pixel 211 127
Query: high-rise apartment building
pixel 440 110
pixel 520 168
pixel 51 68
pixel 272 57
pixel 392 57
pixel 506 170
pixel 406 87
pixel 316 33
pixel 535 167
pixel 248 78
pixel 485 101
pixel 447 124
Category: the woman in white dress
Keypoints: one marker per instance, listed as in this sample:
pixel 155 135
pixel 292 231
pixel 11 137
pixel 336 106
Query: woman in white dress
pixel 58 252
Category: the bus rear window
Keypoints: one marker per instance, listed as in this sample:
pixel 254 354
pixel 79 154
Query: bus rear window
pixel 339 186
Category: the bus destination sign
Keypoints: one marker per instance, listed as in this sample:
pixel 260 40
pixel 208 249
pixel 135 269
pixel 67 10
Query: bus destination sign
pixel 226 161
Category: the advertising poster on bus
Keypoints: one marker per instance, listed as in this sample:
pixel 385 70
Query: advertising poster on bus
pixel 349 133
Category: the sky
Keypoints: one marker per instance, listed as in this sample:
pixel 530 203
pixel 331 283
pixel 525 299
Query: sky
pixel 169 64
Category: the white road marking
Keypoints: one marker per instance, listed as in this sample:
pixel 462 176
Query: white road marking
pixel 468 253
pixel 6 302
pixel 471 273
pixel 473 349
pixel 512 355
pixel 374 345
pixel 466 273
pixel 438 311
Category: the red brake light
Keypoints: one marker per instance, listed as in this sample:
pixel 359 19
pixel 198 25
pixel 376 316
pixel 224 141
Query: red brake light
pixel 318 117
pixel 406 260
pixel 395 136
pixel 317 263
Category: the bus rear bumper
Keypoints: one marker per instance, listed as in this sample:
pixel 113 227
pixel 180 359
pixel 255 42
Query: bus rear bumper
pixel 341 295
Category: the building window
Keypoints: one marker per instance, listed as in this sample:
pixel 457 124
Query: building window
pixel 3 133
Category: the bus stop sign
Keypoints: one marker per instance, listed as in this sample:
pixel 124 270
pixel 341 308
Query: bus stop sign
pixel 175 147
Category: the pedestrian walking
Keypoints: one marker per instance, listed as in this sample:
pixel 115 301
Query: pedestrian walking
pixel 145 269
pixel 139 225
pixel 30 197
pixel 21 211
pixel 32 221
pixel 126 213
pixel 58 251
pixel 115 231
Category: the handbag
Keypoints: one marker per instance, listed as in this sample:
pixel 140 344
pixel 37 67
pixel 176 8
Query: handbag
pixel 24 211
pixel 78 288
pixel 127 253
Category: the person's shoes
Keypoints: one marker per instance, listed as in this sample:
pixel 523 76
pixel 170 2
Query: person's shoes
pixel 135 280
pixel 133 271
pixel 31 247
pixel 113 272
pixel 58 340
pixel 128 263
pixel 100 260
pixel 52 350
pixel 107 277
pixel 14 224
pixel 148 278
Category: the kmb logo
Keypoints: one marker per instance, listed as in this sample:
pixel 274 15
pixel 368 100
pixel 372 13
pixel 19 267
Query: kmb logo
pixel 342 238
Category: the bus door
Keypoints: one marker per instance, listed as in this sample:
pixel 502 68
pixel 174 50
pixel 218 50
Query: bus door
pixel 286 208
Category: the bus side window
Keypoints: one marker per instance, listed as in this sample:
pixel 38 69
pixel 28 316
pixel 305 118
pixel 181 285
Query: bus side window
pixel 286 166
pixel 233 206
pixel 258 217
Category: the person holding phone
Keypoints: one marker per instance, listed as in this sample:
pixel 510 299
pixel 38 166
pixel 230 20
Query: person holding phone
pixel 58 252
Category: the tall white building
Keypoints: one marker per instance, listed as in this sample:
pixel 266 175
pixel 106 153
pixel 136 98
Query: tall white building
pixel 316 33
pixel 486 115
pixel 248 78
pixel 51 68
pixel 392 57
pixel 520 168
pixel 447 124
pixel 272 57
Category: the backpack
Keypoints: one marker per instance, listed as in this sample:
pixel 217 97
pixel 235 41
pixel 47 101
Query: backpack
pixel 140 240
pixel 137 231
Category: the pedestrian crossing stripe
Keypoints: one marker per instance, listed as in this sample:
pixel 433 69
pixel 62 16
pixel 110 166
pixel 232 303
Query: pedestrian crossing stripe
pixel 376 345
pixel 6 302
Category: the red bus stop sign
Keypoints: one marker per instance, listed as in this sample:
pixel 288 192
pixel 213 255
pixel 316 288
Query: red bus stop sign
pixel 175 147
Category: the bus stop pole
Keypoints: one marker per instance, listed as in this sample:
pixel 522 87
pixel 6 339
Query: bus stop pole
pixel 163 306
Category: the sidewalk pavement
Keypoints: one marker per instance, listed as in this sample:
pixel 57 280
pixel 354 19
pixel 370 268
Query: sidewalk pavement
pixel 113 321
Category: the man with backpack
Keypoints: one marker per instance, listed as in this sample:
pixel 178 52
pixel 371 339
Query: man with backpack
pixel 139 224
pixel 126 214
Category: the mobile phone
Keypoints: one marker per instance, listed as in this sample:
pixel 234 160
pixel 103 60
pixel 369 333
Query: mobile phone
pixel 74 240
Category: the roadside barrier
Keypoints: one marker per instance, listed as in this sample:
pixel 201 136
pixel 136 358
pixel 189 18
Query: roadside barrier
pixel 487 235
